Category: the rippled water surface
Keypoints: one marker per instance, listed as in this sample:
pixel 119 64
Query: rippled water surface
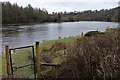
pixel 23 35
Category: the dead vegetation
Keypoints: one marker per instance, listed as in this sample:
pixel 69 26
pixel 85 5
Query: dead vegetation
pixel 55 51
pixel 91 57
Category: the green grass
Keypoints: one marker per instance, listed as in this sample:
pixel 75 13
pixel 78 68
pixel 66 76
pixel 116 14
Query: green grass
pixel 49 43
pixel 3 64
pixel 0 64
pixel 111 29
pixel 20 57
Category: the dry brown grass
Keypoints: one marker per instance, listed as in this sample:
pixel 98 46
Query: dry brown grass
pixel 92 57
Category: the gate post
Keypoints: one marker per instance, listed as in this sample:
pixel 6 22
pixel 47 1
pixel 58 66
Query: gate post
pixel 38 60
pixel 8 61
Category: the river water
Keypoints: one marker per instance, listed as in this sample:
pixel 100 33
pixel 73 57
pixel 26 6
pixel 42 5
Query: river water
pixel 24 35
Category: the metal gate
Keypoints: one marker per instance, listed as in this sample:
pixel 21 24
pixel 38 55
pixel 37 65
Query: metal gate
pixel 15 66
pixel 12 67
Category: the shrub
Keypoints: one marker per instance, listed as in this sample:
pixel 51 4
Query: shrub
pixel 93 33
pixel 91 57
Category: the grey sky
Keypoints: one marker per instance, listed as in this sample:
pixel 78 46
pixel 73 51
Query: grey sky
pixel 68 5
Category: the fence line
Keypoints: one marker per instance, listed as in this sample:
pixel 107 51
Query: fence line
pixel 36 61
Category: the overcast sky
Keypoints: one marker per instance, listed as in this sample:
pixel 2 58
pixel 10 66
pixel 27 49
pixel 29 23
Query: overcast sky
pixel 67 5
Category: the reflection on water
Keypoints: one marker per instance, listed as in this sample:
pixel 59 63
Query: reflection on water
pixel 16 36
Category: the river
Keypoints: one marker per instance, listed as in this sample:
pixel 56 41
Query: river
pixel 24 35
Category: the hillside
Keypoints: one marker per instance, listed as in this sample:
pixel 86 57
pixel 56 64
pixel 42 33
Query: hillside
pixel 12 14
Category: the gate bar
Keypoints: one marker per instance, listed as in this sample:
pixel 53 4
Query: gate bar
pixel 11 63
pixel 23 66
pixel 34 62
pixel 20 47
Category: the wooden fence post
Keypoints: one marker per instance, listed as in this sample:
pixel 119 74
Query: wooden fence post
pixel 38 60
pixel 82 34
pixel 8 61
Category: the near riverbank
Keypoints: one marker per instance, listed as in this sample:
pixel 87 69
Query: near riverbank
pixel 24 56
pixel 79 57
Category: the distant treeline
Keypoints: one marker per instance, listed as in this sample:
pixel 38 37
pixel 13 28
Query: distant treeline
pixel 12 14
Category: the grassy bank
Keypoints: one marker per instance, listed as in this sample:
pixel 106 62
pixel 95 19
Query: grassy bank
pixel 94 56
pixel 24 56
pixel 47 44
